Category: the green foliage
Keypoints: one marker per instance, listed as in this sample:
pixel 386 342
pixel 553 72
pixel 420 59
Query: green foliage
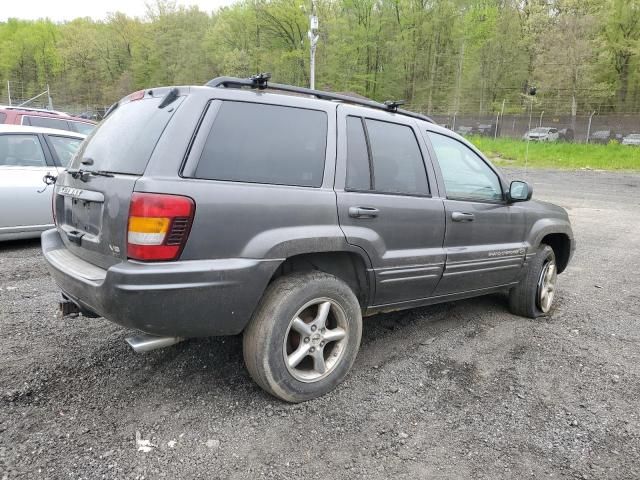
pixel 441 56
pixel 559 155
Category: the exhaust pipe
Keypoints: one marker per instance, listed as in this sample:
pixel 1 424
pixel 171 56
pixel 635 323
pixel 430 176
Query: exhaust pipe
pixel 145 343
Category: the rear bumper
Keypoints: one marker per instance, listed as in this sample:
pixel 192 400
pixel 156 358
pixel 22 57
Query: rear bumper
pixel 193 298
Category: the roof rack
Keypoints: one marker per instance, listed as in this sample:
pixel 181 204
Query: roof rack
pixel 260 82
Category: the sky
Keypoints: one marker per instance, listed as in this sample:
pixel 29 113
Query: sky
pixel 61 10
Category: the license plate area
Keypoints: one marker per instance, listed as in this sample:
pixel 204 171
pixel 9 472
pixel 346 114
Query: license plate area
pixel 83 215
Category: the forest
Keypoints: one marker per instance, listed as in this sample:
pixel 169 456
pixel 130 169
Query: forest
pixel 440 56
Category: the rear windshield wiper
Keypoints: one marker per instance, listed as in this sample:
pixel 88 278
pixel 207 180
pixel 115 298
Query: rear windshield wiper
pixel 84 174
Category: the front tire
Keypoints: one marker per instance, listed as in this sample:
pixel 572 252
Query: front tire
pixel 534 296
pixel 304 336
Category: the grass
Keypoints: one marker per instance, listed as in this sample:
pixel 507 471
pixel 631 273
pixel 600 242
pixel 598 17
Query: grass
pixel 509 152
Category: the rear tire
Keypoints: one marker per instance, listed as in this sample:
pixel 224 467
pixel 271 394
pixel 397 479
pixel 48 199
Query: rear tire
pixel 304 336
pixel 533 296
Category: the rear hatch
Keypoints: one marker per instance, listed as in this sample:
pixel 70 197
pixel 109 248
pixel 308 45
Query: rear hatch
pixel 92 198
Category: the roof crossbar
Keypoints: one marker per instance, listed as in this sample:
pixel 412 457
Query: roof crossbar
pixel 260 82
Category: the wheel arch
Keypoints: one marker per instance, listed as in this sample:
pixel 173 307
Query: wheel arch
pixel 561 245
pixel 349 266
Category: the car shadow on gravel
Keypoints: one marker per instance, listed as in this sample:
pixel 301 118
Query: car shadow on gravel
pixel 18 245
pixel 212 369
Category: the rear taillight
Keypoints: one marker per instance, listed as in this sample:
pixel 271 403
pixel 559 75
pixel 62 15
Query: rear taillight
pixel 158 226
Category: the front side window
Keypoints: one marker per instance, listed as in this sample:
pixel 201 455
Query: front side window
pixel 65 148
pixel 259 143
pixel 21 151
pixel 466 175
pixel 46 122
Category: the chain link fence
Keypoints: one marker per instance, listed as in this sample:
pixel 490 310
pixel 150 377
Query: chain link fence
pixel 595 128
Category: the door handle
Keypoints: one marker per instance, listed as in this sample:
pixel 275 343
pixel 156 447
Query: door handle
pixel 462 217
pixel 363 212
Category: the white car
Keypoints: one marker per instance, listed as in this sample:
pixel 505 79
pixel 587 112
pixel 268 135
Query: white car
pixel 632 139
pixel 542 134
pixel 27 154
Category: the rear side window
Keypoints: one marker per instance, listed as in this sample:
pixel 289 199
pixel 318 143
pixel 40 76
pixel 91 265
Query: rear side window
pixel 21 151
pixel 46 122
pixel 84 128
pixel 3 117
pixel 358 169
pixel 124 141
pixel 397 162
pixel 65 147
pixel 258 143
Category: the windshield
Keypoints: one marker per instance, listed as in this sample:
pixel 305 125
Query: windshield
pixel 124 141
pixel 539 130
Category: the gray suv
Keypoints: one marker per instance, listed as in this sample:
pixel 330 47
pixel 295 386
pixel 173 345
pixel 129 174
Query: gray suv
pixel 288 214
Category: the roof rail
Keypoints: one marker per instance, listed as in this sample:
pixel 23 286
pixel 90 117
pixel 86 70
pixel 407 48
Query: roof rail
pixel 32 109
pixel 260 82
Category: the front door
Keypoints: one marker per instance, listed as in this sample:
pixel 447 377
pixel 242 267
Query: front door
pixel 484 239
pixel 388 203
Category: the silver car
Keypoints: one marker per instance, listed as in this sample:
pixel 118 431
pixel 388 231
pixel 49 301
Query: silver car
pixel 27 154
pixel 542 134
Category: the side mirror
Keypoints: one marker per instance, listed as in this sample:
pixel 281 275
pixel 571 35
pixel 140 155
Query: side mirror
pixel 519 191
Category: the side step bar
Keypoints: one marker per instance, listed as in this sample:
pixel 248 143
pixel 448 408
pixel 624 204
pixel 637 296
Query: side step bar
pixel 145 343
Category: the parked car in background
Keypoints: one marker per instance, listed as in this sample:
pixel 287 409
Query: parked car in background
pixel 632 139
pixel 542 134
pixel 566 134
pixel 27 154
pixel 37 117
pixel 464 131
pixel 288 219
pixel 482 129
pixel 485 129
pixel 604 137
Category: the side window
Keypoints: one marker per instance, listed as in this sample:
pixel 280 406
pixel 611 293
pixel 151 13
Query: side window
pixel 82 127
pixel 466 175
pixel 65 148
pixel 398 166
pixel 46 122
pixel 258 143
pixel 21 151
pixel 3 117
pixel 358 170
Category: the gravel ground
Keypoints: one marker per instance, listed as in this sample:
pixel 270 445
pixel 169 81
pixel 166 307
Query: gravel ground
pixel 460 390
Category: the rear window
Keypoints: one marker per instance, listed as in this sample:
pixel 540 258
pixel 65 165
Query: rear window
pixel 45 122
pixel 258 143
pixel 124 141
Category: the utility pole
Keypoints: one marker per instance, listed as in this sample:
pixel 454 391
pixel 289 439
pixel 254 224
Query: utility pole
pixel 49 97
pixel 313 40
pixel 9 91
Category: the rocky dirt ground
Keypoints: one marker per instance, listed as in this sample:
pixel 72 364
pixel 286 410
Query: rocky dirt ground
pixel 461 390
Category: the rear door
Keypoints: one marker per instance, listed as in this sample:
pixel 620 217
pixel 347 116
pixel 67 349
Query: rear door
pixel 92 208
pixel 484 238
pixel 26 203
pixel 388 202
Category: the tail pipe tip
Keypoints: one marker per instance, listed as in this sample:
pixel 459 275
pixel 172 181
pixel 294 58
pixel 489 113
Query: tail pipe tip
pixel 145 343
